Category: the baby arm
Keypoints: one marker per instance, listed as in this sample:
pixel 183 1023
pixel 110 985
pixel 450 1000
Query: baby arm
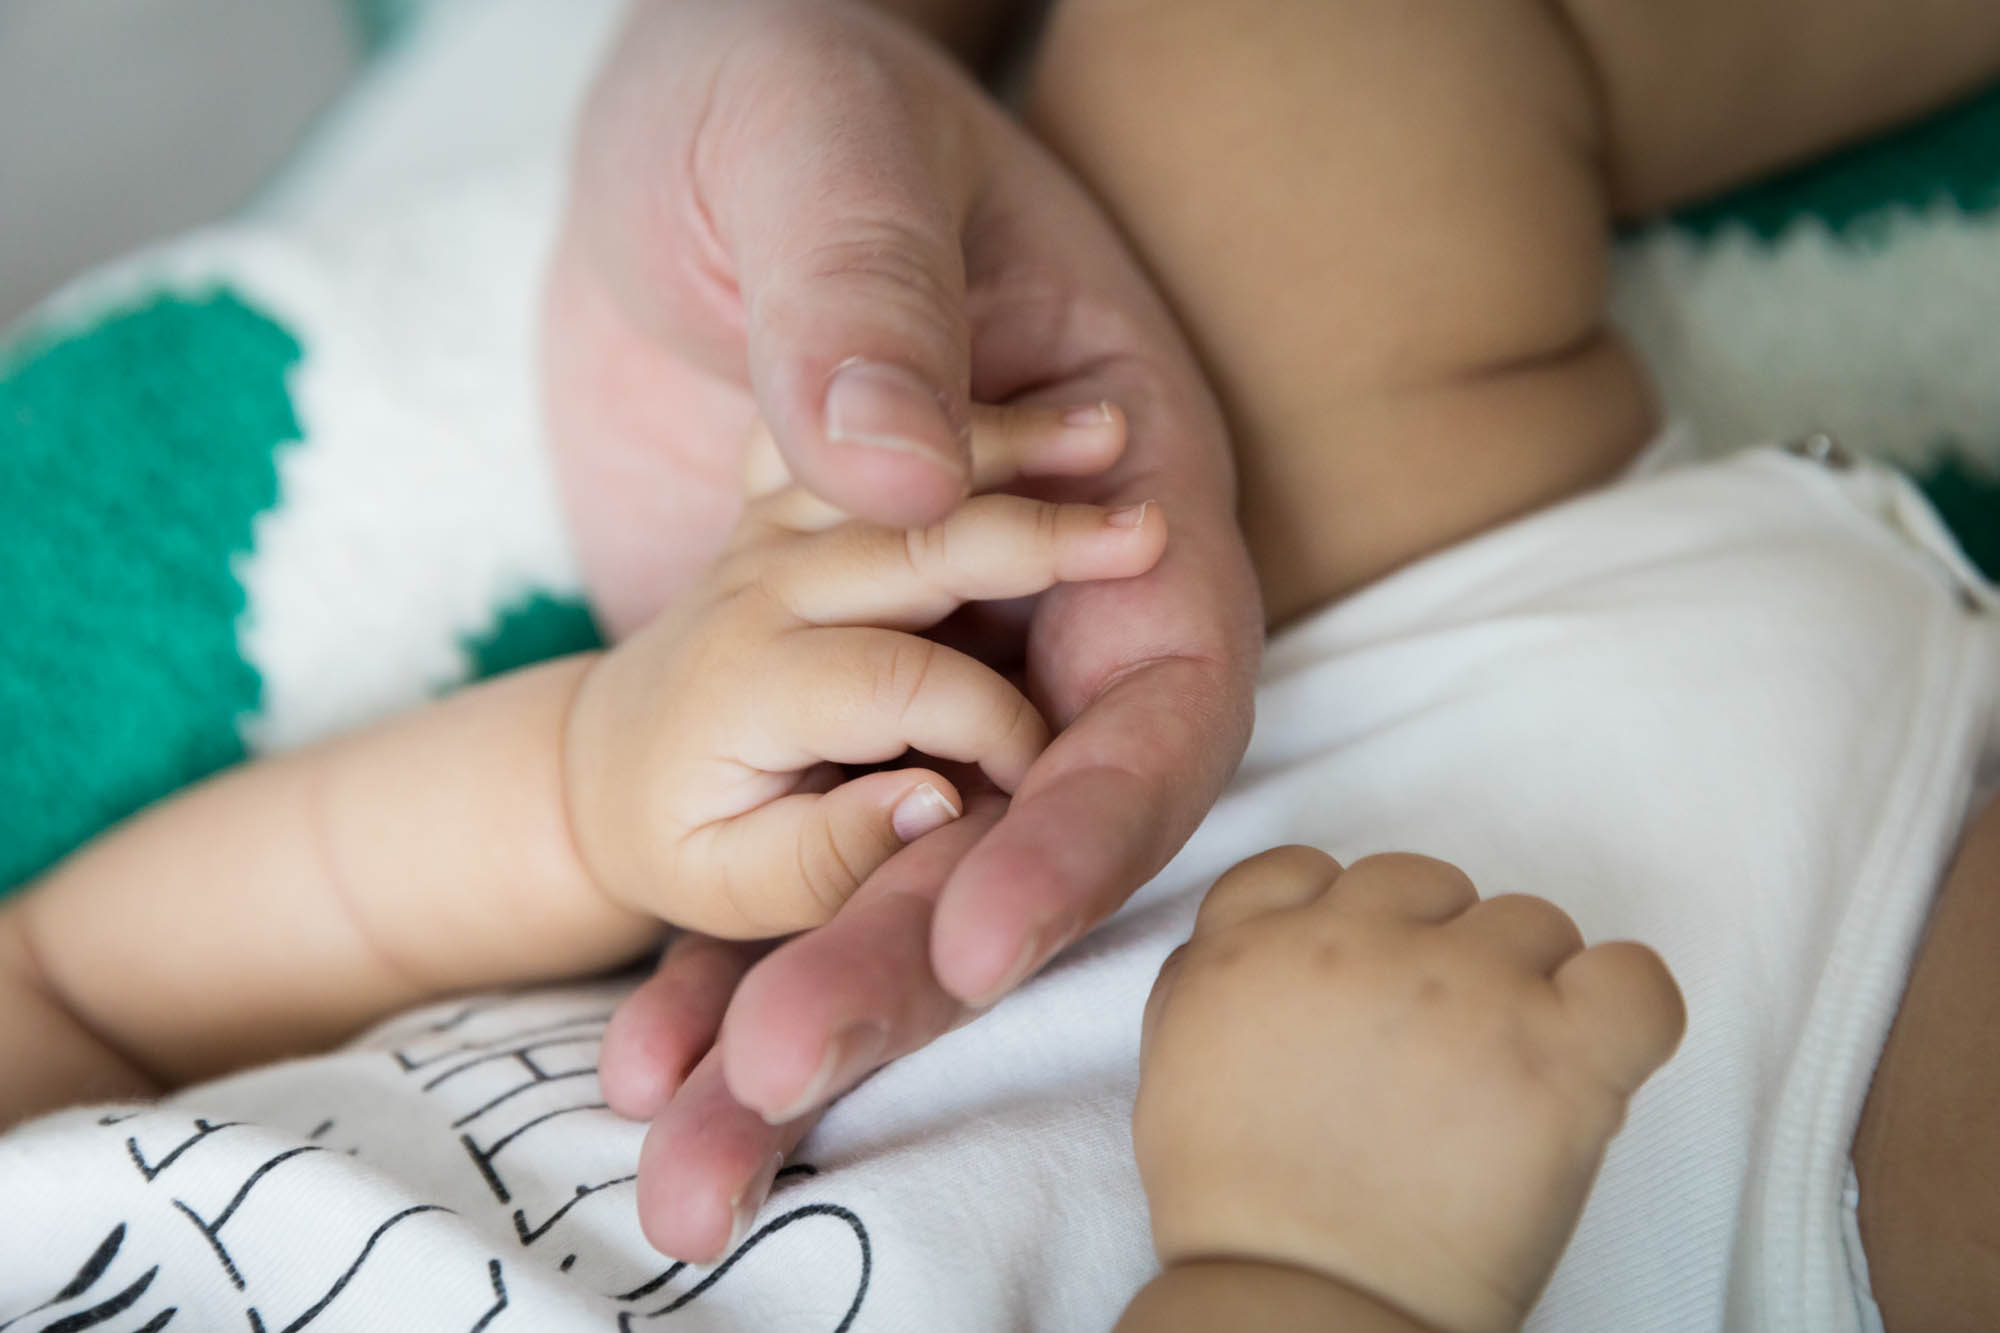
pixel 542 825
pixel 284 904
pixel 1369 1100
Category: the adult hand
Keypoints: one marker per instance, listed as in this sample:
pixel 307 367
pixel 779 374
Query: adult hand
pixel 768 194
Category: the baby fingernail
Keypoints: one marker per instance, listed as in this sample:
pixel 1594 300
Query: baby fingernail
pixel 1131 516
pixel 852 1052
pixel 1088 414
pixel 887 407
pixel 920 812
pixel 749 1200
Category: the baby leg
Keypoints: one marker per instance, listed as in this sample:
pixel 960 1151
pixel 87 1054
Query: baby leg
pixel 1384 222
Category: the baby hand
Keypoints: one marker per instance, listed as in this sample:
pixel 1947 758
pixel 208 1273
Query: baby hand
pixel 1371 1075
pixel 702 755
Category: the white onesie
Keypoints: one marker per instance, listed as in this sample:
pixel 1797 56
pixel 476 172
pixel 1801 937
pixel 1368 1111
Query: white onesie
pixel 1734 711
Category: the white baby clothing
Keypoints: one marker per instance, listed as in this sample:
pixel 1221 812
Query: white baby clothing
pixel 1734 711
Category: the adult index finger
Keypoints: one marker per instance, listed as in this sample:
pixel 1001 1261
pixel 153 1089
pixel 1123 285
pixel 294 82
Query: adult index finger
pixel 831 1005
pixel 1105 806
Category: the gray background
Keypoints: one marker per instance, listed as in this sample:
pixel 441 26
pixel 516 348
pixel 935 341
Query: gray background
pixel 122 120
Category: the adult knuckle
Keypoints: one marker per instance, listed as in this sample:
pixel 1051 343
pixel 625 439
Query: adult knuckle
pixel 810 53
pixel 899 260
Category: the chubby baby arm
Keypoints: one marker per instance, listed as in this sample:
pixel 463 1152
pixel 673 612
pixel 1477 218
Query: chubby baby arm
pixel 1369 1100
pixel 543 824
pixel 280 906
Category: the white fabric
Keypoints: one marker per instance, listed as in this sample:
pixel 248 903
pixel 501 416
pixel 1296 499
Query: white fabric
pixel 1733 711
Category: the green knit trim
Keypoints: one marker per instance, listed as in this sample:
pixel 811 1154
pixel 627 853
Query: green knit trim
pixel 1967 496
pixel 378 23
pixel 134 454
pixel 534 629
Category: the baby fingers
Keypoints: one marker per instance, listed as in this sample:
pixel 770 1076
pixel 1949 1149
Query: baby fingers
pixel 790 865
pixel 1628 1012
pixel 993 547
pixel 864 696
pixel 1008 443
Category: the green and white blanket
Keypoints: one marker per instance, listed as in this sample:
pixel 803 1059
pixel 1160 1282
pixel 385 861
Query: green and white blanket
pixel 284 475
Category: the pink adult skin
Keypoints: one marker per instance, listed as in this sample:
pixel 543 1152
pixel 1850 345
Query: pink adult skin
pixel 766 191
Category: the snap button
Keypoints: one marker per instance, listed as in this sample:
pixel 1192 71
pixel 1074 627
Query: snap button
pixel 1820 447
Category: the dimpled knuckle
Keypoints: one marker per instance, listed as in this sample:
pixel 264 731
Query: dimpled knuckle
pixel 904 673
pixel 1012 717
pixel 928 551
pixel 825 873
pixel 738 910
pixel 1414 865
pixel 1294 859
pixel 1047 526
pixel 1414 868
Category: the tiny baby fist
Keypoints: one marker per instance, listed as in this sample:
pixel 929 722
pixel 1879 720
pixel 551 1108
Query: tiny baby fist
pixel 703 756
pixel 1370 1074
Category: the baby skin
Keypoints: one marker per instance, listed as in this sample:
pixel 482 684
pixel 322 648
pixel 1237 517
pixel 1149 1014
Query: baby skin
pixel 545 824
pixel 1385 225
pixel 697 775
pixel 1370 1100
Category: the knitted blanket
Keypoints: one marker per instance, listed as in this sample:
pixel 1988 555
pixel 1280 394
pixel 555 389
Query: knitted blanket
pixel 284 475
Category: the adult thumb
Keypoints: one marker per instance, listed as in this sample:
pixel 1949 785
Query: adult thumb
pixel 842 213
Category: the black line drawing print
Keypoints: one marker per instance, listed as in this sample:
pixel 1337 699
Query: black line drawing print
pixel 491 1083
pixel 202 1130
pixel 533 1053
pixel 212 1230
pixel 499 1297
pixel 482 1157
pixel 257 1324
pixel 557 1033
pixel 152 1170
pixel 469 1010
pixel 86 1277
pixel 530 1234
pixel 629 1319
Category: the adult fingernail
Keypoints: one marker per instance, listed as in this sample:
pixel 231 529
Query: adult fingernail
pixel 1039 948
pixel 1131 516
pixel 882 406
pixel 852 1052
pixel 743 1208
pixel 922 811
pixel 1085 415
